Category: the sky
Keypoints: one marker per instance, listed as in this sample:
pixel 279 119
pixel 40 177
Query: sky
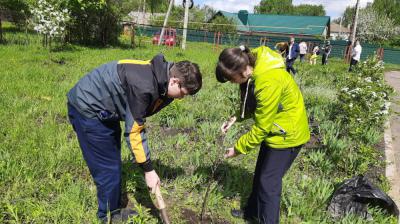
pixel 333 8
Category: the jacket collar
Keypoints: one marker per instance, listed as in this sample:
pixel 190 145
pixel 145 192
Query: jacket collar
pixel 160 68
pixel 267 60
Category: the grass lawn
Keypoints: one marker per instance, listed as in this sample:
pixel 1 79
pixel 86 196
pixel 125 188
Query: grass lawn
pixel 44 179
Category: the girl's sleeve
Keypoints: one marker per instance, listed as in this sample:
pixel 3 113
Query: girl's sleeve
pixel 268 99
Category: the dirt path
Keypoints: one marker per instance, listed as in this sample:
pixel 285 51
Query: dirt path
pixel 392 138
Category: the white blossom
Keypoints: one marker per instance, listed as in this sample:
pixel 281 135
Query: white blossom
pixel 48 20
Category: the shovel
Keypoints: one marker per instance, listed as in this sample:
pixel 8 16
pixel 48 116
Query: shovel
pixel 161 206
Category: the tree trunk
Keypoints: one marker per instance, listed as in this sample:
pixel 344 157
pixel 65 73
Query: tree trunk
pixel 133 36
pixel 354 30
pixel 171 3
pixel 1 31
pixel 185 24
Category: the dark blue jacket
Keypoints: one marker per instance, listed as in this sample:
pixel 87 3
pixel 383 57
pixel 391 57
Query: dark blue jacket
pixel 294 51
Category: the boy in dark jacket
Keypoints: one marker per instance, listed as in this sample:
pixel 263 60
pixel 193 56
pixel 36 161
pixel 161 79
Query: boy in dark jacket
pixel 130 91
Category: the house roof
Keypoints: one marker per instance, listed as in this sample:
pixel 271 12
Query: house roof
pixel 335 28
pixel 283 24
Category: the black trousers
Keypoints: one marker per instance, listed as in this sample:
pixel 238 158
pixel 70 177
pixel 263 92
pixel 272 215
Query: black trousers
pixel 289 65
pixel 302 56
pixel 352 64
pixel 264 202
pixel 325 59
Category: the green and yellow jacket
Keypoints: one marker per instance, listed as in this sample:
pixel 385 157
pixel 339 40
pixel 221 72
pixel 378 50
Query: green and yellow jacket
pixel 280 115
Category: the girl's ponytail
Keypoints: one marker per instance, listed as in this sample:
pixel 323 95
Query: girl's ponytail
pixel 247 51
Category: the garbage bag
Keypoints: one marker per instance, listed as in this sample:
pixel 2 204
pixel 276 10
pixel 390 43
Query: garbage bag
pixel 355 194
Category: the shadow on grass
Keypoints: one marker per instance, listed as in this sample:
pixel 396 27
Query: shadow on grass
pixel 234 180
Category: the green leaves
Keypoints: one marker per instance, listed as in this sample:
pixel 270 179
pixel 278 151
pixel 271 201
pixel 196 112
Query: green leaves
pixel 364 100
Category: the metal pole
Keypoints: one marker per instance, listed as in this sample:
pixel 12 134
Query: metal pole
pixel 1 31
pixel 185 24
pixel 171 3
pixel 353 35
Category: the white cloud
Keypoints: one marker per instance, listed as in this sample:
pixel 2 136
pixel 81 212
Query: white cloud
pixel 232 5
pixel 333 8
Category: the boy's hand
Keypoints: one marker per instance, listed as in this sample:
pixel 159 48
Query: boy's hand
pixel 230 153
pixel 227 124
pixel 152 180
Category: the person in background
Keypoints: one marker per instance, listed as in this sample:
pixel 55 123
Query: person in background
pixel 291 55
pixel 280 128
pixel 314 56
pixel 129 91
pixel 327 51
pixel 282 48
pixel 303 50
pixel 355 55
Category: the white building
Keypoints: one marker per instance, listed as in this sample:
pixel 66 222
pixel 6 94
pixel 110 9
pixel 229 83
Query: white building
pixel 143 18
pixel 339 32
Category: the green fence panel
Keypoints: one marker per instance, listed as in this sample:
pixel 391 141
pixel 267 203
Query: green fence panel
pixel 233 39
pixel 391 56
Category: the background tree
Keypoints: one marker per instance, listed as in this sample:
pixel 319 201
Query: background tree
pixel 389 8
pixel 49 20
pixel 16 11
pixel 215 25
pixel 94 22
pixel 347 17
pixel 198 16
pixel 286 7
pixel 374 27
pixel 274 7
pixel 309 10
pixel 155 6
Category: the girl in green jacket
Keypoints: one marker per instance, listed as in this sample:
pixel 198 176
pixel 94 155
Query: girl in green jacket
pixel 281 125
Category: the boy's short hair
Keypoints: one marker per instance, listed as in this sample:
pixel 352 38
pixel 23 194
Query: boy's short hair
pixel 189 75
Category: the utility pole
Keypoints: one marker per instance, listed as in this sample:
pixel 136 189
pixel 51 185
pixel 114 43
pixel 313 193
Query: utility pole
pixel 1 31
pixel 353 34
pixel 185 24
pixel 171 3
pixel 144 11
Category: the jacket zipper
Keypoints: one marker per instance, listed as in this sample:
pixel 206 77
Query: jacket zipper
pixel 245 99
pixel 283 132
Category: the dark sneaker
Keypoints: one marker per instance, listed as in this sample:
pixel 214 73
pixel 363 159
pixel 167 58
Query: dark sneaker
pixel 123 216
pixel 237 213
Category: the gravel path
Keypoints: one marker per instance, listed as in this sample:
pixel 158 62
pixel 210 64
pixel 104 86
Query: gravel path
pixel 392 138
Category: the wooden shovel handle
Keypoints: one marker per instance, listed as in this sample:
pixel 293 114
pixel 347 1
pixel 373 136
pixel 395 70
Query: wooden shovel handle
pixel 159 198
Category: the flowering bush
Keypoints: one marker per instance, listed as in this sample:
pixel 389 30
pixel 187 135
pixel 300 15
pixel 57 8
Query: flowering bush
pixel 375 27
pixel 49 20
pixel 364 100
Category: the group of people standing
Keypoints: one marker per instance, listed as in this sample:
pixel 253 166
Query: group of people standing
pixel 291 50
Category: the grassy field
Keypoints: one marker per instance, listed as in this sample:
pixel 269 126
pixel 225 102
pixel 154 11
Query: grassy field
pixel 44 179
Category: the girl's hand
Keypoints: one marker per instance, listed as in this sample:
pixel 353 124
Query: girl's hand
pixel 227 124
pixel 230 153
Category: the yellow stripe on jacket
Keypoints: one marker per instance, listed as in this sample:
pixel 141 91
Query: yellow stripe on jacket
pixel 137 142
pixel 132 61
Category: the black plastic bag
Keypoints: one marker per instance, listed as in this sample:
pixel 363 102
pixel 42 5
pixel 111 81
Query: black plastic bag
pixel 355 194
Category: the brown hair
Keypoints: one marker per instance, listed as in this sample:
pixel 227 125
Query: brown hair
pixel 189 76
pixel 233 62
